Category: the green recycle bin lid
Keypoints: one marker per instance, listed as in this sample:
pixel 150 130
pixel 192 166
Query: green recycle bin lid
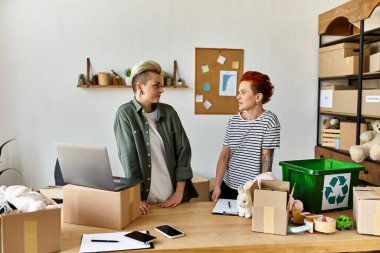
pixel 323 166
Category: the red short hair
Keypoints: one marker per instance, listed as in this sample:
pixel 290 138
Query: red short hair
pixel 260 83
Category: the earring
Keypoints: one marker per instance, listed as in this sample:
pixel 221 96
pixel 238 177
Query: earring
pixel 141 93
pixel 257 102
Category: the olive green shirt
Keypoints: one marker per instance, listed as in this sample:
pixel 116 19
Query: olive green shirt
pixel 132 137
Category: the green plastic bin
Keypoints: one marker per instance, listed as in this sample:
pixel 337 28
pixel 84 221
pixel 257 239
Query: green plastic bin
pixel 323 185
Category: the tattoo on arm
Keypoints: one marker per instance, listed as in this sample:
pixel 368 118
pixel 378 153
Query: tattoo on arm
pixel 266 160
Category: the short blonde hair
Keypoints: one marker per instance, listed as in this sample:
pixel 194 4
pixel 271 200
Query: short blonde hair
pixel 141 69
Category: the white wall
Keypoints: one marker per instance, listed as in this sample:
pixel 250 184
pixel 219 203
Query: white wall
pixel 44 44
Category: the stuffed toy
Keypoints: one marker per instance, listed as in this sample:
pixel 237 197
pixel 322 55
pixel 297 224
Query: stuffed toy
pixel 331 123
pixel 244 202
pixel 370 144
pixel 262 176
pixel 23 198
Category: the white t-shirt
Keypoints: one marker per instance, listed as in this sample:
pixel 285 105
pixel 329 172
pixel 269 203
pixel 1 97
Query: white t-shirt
pixel 161 187
pixel 246 139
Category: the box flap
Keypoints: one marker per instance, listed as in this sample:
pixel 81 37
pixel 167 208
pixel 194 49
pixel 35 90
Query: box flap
pixel 275 185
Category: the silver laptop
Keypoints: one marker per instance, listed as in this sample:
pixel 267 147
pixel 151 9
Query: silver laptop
pixel 88 166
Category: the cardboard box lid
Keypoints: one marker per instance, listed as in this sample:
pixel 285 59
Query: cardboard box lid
pixel 342 46
pixel 367 193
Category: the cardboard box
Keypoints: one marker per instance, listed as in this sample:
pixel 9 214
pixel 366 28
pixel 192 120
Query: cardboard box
pixel 270 207
pixel 345 101
pixel 348 134
pixel 327 95
pixel 371 103
pixel 341 59
pixel 100 208
pixel 374 62
pixel 202 186
pixel 31 232
pixel 367 210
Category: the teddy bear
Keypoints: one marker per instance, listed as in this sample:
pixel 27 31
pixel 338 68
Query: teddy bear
pixel 23 198
pixel 244 202
pixel 370 144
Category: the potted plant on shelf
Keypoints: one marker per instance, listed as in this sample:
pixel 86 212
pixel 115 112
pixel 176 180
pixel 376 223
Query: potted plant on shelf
pixel 4 170
pixel 179 82
pixel 128 79
pixel 81 79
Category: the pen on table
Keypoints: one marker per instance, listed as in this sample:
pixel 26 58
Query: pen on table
pixel 95 240
pixel 229 205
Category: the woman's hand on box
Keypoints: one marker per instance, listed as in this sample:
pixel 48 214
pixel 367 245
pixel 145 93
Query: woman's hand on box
pixel 144 207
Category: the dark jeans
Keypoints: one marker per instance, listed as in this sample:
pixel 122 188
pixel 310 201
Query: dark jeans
pixel 227 192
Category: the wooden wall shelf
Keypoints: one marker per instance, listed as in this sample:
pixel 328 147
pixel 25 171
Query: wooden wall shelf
pixel 91 86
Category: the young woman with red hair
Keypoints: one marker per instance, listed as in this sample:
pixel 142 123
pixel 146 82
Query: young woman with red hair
pixel 251 136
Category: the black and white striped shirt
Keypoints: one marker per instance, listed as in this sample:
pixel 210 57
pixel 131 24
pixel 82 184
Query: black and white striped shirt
pixel 246 139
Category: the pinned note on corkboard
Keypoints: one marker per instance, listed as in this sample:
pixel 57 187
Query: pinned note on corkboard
pixel 217 76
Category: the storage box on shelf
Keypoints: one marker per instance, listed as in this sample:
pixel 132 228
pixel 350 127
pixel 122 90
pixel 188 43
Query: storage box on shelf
pixel 327 93
pixel 329 137
pixel 371 103
pixel 341 60
pixel 348 134
pixel 323 185
pixel 374 62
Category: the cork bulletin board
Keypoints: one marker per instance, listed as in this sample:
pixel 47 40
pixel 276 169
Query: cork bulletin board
pixel 217 76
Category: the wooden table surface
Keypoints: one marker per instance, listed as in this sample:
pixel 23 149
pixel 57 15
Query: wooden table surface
pixel 205 232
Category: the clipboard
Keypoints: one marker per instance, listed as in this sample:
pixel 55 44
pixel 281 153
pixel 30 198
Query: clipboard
pixel 124 243
pixel 226 207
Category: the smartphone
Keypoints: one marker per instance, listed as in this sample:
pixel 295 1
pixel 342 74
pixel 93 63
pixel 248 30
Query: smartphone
pixel 141 237
pixel 169 231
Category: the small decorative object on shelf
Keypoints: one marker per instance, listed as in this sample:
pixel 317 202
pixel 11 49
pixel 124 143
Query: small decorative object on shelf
pixel 116 79
pixel 81 79
pixel 104 78
pixel 128 79
pixel 179 82
pixel 168 81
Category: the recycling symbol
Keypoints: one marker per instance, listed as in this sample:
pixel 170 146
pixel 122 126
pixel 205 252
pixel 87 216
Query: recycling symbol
pixel 337 190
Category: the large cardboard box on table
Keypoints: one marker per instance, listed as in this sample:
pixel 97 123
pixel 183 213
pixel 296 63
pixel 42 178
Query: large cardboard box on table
pixel 100 208
pixel 341 59
pixel 270 207
pixel 371 103
pixel 38 231
pixel 367 210
pixel 348 134
pixel 201 184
